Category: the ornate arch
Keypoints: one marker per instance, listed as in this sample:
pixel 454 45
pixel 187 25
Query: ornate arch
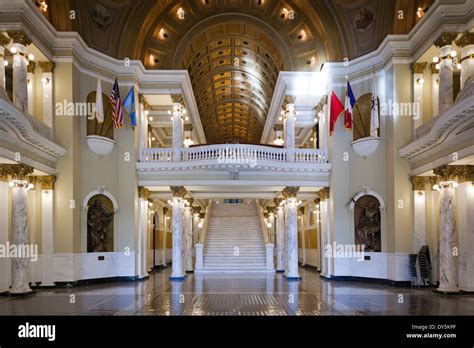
pixel 364 192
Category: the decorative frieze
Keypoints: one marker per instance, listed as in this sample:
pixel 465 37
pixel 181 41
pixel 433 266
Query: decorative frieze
pixel 458 173
pixel 46 66
pixel 30 68
pixel 178 191
pixel 290 192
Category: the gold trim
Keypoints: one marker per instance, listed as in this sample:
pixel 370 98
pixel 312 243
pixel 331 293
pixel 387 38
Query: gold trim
pixel 290 191
pixel 178 191
pixel 46 67
pixel 418 182
pixel 445 39
pixel 15 171
pixel 324 193
pixel 4 40
pixel 418 68
pixel 19 37
pixel 196 210
pixel 47 182
pixel 31 67
pixel 460 174
pixel 466 39
pixel 177 98
pixel 143 192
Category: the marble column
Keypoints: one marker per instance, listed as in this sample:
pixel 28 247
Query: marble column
pixel 271 221
pixel 419 212
pixel 292 215
pixel 465 226
pixel 143 232
pixel 165 232
pixel 289 126
pixel 47 230
pixel 188 239
pixel 31 84
pixel 20 82
pixel 177 272
pixel 446 91
pixel 325 216
pixel 4 212
pixel 178 126
pixel 466 42
pixel 448 280
pixel 280 220
pixel 199 256
pixel 434 90
pixel 3 42
pixel 196 212
pixel 418 86
pixel 303 237
pixel 47 83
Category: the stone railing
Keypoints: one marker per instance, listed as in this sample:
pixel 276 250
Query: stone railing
pixel 425 128
pixel 234 154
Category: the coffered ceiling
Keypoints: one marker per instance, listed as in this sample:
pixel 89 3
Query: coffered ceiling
pixel 233 49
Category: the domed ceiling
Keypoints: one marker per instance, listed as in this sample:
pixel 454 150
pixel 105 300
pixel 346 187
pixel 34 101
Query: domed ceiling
pixel 233 49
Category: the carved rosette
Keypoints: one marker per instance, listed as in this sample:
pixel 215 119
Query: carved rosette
pixel 178 191
pixel 460 174
pixel 323 193
pixel 290 192
pixel 418 182
pixel 15 171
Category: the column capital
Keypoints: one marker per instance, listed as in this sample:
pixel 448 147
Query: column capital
pixel 191 201
pixel 31 67
pixel 277 202
pixel 418 68
pixel 177 99
pixel 290 191
pixel 323 193
pixel 418 182
pixel 165 210
pixel 458 173
pixel 466 39
pixel 287 100
pixel 265 214
pixel 15 171
pixel 433 69
pixel 143 192
pixel 445 39
pixel 4 40
pixel 271 210
pixel 47 182
pixel 301 210
pixel 196 210
pixel 46 66
pixel 19 37
pixel 202 215
pixel 178 191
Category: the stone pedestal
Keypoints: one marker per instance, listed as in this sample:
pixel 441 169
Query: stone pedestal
pixel 20 265
pixel 448 280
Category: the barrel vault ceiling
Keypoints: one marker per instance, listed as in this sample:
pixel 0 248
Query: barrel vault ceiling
pixel 234 49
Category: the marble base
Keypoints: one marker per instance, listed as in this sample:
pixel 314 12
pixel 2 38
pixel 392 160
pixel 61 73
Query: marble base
pixel 293 279
pixel 177 279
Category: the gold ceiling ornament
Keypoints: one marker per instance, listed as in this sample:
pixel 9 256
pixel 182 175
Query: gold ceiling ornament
pixel 196 210
pixel 418 68
pixel 418 182
pixel 323 193
pixel 466 39
pixel 458 173
pixel 143 192
pixel 177 99
pixel 31 67
pixel 290 191
pixel 4 40
pixel 19 37
pixel 46 67
pixel 445 39
pixel 46 181
pixel 15 171
pixel 178 191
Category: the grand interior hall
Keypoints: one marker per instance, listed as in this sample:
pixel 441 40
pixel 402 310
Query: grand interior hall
pixel 237 157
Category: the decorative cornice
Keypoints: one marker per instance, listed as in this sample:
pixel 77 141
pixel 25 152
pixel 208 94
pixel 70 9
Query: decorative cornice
pixel 178 191
pixel 31 67
pixel 323 193
pixel 290 192
pixel 418 182
pixel 46 66
pixel 460 174
pixel 15 171
pixel 445 39
pixel 143 192
pixel 465 40
pixel 19 37
pixel 418 68
pixel 47 182
pixel 4 40
pixel 177 99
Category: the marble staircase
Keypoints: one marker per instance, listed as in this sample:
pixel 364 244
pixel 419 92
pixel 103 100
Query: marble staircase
pixel 234 240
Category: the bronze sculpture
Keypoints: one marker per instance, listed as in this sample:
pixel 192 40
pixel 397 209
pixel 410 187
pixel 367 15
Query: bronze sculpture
pixel 98 220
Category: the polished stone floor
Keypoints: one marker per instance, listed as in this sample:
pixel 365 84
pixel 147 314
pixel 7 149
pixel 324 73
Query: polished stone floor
pixel 236 295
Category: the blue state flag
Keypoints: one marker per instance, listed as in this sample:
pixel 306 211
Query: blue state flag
pixel 129 105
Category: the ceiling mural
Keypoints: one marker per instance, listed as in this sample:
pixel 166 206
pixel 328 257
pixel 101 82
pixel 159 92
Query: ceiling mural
pixel 233 49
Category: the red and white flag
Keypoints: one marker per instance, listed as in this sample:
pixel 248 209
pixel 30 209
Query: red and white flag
pixel 117 112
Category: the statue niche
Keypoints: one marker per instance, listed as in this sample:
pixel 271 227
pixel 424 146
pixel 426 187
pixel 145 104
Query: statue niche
pixel 367 223
pixel 100 226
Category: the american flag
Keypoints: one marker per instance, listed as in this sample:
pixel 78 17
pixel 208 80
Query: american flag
pixel 117 113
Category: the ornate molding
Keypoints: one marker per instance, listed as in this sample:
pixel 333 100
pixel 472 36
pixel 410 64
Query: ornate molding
pixel 466 39
pixel 323 193
pixel 178 191
pixel 15 171
pixel 143 192
pixel 46 66
pixel 445 39
pixel 459 174
pixel 47 182
pixel 19 37
pixel 290 191
pixel 418 182
pixel 433 69
pixel 418 68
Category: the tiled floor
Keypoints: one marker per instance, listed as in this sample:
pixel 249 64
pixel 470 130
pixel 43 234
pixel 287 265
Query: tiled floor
pixel 237 295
